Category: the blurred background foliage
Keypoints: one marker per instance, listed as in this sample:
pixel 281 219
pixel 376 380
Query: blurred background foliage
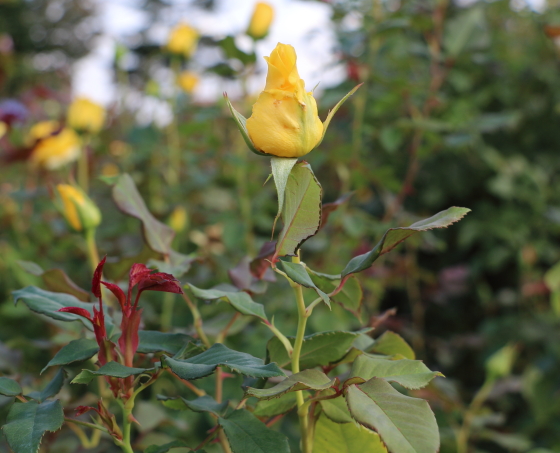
pixel 460 107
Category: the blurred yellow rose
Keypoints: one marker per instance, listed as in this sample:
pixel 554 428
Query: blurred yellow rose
pixel 78 209
pixel 182 40
pixel 53 146
pixel 261 20
pixel 179 219
pixel 85 116
pixel 3 129
pixel 188 81
pixel 285 121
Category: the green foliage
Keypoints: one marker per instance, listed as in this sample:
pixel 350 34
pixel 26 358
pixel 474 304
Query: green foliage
pixel 333 437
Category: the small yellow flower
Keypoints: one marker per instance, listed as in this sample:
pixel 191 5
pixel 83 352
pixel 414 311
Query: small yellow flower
pixel 261 20
pixel 3 129
pixel 285 121
pixel 179 219
pixel 188 81
pixel 86 116
pixel 78 209
pixel 53 146
pixel 183 40
pixel 110 169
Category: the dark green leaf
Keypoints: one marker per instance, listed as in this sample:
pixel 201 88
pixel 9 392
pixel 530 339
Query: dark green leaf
pixel 27 423
pixel 202 404
pixel 331 437
pixel 308 379
pixel 52 388
pixel 391 343
pixel 395 236
pixel 204 364
pixel 155 341
pixel 165 448
pixel 9 387
pixel 158 235
pixel 75 351
pixel 412 374
pixel 276 406
pixel 113 369
pixel 48 303
pixel 405 424
pixel 247 434
pixel 301 213
pixel 298 274
pixel 317 350
pixel 241 301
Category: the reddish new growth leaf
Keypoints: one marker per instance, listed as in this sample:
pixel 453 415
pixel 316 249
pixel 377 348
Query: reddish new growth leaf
pixel 77 311
pixel 95 281
pixel 118 292
pixel 160 281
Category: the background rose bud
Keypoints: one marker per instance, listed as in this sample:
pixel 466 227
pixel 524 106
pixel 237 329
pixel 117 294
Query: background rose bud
pixel 182 40
pixel 285 121
pixel 85 116
pixel 53 146
pixel 78 209
pixel 3 129
pixel 261 20
pixel 188 81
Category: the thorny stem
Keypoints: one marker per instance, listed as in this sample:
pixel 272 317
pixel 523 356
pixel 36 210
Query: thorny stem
pixel 302 321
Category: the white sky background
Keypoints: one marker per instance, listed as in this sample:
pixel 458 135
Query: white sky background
pixel 305 25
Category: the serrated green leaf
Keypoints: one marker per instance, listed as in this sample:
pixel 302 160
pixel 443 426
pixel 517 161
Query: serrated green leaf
pixel 75 351
pixel 247 434
pixel 201 404
pixel 349 297
pixel 48 303
pixel 241 301
pixel 113 369
pixel 331 437
pixel 319 349
pixel 305 380
pixel 298 274
pixel 301 213
pixel 276 406
pixel 155 341
pixel 391 343
pixel 52 388
pixel 405 424
pixel 219 355
pixel 157 234
pixel 28 422
pixel 165 448
pixel 9 387
pixel 394 236
pixel 334 110
pixel 336 410
pixel 241 123
pixel 412 374
pixel 281 169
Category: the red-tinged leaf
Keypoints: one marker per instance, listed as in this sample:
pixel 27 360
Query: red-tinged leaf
pixel 77 311
pixel 261 263
pixel 128 341
pixel 331 207
pixel 95 281
pixel 138 271
pixel 118 292
pixel 160 281
pixel 81 410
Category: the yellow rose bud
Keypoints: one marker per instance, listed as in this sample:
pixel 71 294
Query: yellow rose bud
pixel 261 20
pixel 182 40
pixel 78 209
pixel 285 121
pixel 85 116
pixel 3 129
pixel 188 81
pixel 53 146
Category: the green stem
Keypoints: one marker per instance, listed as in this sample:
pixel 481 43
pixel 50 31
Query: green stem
pixel 197 320
pixel 83 170
pixel 283 339
pixel 167 312
pixel 93 254
pixel 474 407
pixel 302 321
pixel 89 425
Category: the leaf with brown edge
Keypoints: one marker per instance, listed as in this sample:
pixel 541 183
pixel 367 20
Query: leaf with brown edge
pixel 394 236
